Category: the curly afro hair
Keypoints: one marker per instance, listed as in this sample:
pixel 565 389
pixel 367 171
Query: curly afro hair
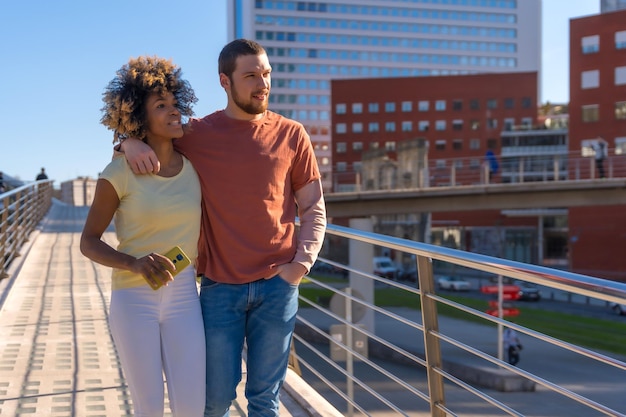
pixel 125 96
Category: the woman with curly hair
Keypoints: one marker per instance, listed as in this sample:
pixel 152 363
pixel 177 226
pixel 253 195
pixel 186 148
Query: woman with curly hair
pixel 155 319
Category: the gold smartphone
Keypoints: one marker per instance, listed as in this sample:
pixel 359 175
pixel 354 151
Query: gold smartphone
pixel 180 261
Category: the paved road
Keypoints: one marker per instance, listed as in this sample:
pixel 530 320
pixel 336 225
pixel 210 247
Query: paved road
pixel 578 374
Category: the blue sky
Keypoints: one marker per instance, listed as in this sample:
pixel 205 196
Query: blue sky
pixel 59 55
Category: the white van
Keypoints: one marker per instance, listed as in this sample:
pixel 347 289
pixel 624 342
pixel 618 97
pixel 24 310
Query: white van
pixel 384 267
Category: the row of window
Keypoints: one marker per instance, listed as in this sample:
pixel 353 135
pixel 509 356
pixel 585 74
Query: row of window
pixel 591 78
pixel 591 44
pixel 378 26
pixel 440 105
pixel 304 99
pixel 373 41
pixel 324 7
pixel 424 125
pixel 376 71
pixel 591 112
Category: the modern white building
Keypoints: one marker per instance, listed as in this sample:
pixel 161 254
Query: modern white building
pixel 311 42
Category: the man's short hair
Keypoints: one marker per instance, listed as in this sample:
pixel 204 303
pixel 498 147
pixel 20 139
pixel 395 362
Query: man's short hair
pixel 227 60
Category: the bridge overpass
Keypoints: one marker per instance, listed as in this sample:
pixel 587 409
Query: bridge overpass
pixel 528 195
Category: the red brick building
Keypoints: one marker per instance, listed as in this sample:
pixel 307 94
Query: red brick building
pixel 461 117
pixel 598 108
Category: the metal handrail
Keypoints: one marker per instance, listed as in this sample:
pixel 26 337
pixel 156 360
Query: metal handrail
pixel 437 373
pixel 21 209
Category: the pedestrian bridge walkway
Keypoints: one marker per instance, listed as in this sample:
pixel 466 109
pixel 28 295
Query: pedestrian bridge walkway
pixel 57 356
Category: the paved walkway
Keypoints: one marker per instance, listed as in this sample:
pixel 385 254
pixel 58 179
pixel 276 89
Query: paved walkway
pixel 57 357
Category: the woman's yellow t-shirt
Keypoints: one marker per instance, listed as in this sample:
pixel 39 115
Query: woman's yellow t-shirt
pixel 154 215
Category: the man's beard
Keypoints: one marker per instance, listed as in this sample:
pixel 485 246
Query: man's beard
pixel 251 107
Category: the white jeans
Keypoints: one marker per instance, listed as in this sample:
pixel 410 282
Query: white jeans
pixel 158 332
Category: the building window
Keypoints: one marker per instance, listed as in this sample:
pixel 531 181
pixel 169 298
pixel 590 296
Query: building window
pixel 440 145
pixel 373 127
pixel 372 107
pixel 591 113
pixel 390 126
pixel 440 163
pixel 440 105
pixel 342 166
pixel 527 122
pixel 440 125
pixel 457 144
pixel 373 145
pixel 457 105
pixel 590 79
pixel 407 106
pixel 591 44
pixel 620 39
pixel 527 103
pixel 509 123
pixel 357 166
pixel 341 128
pixel 357 127
pixel 340 108
pixel 390 146
pixel 341 147
pixel 492 123
pixel 357 146
pixel 474 144
pixel 457 124
pixel 620 146
pixel 492 103
pixel 620 75
pixel 407 126
pixel 423 105
pixel 474 104
pixel 390 107
pixel 492 143
pixel 475 124
pixel 509 103
pixel 357 108
pixel 620 110
pixel 423 126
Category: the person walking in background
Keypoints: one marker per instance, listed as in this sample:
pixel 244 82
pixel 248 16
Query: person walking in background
pixel 155 331
pixel 42 175
pixel 600 154
pixel 258 171
pixel 512 345
pixel 491 159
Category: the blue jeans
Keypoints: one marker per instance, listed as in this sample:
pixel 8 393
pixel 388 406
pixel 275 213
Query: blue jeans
pixel 261 313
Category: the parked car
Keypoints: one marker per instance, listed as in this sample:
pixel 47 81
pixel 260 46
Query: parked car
pixel 528 291
pixel 453 283
pixel 408 273
pixel 619 309
pixel 384 267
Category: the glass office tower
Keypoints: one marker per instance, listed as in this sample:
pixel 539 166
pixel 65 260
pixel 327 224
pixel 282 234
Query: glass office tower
pixel 311 42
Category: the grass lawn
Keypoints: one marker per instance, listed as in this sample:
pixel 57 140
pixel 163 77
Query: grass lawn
pixel 592 333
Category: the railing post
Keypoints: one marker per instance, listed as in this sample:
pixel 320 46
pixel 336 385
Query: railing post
pixel 432 348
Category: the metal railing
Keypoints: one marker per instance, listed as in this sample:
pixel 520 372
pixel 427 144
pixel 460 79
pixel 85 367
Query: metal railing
pixel 339 348
pixel 547 166
pixel 21 209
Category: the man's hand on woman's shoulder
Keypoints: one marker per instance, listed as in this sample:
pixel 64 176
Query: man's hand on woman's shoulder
pixel 140 156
